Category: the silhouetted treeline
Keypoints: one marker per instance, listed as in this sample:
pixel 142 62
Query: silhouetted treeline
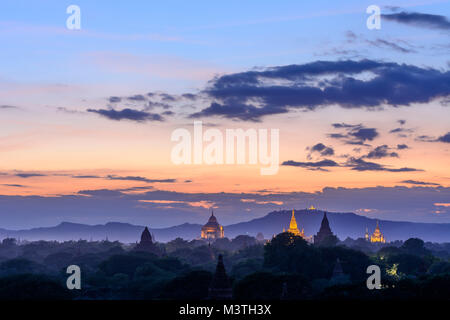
pixel 286 267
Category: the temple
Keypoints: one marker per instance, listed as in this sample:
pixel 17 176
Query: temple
pixel 293 228
pixel 377 236
pixel 324 232
pixel 212 229
pixel 146 244
pixel 220 287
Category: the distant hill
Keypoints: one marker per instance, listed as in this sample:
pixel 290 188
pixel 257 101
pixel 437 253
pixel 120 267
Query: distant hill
pixel 342 224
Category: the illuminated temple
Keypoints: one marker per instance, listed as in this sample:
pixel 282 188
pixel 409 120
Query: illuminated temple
pixel 293 228
pixel 377 236
pixel 212 229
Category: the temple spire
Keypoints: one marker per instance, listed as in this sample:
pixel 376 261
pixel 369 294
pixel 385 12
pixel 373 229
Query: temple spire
pixel 293 227
pixel 220 287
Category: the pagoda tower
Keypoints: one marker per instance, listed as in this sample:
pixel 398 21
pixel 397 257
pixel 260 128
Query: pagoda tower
pixel 146 244
pixel 220 288
pixel 212 229
pixel 377 236
pixel 293 228
pixel 325 230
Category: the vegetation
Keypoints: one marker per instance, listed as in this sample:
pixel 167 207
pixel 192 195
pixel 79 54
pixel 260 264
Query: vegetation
pixel 287 267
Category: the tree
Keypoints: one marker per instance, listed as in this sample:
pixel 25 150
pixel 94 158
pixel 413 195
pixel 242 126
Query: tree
pixel 193 285
pixel 415 246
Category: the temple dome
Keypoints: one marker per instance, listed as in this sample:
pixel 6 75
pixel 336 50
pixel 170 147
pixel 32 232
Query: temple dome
pixel 212 229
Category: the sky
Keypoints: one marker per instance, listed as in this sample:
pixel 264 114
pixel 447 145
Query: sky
pixel 87 115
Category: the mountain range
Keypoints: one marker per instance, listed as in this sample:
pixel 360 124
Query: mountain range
pixel 342 224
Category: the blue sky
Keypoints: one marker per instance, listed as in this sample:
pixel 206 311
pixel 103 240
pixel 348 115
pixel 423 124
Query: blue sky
pixel 226 36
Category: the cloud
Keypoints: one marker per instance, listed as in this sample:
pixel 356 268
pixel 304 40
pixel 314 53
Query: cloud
pixel 86 177
pixel 381 152
pixel 14 185
pixel 250 95
pixel 29 175
pixel 127 114
pixel 359 164
pixel 236 110
pixel 101 206
pixel 402 146
pixel 137 178
pixel 432 21
pixel 8 107
pixel 401 130
pixel 137 97
pixel 114 99
pixel 354 134
pixel 322 149
pixel 422 183
pixel 381 43
pixel 311 165
pixel 445 138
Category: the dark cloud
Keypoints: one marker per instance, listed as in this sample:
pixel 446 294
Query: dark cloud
pixel 424 138
pixel 137 97
pixel 86 177
pixel 401 130
pixel 381 152
pixel 345 125
pixel 311 165
pixel 167 97
pixel 381 43
pixel 402 146
pixel 354 134
pixel 445 138
pixel 359 164
pixel 114 99
pixel 364 134
pixel 401 122
pixel 432 21
pixel 137 178
pixel 8 107
pixel 152 104
pixel 236 110
pixel 253 94
pixel 127 114
pixel 189 96
pixel 29 175
pixel 14 185
pixel 415 182
pixel 322 149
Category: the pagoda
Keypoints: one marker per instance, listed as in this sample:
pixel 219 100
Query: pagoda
pixel 212 229
pixel 293 228
pixel 324 232
pixel 146 244
pixel 220 288
pixel 377 236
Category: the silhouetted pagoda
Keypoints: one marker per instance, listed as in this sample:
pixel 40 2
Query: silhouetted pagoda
pixel 220 288
pixel 146 244
pixel 324 232
pixel 337 270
